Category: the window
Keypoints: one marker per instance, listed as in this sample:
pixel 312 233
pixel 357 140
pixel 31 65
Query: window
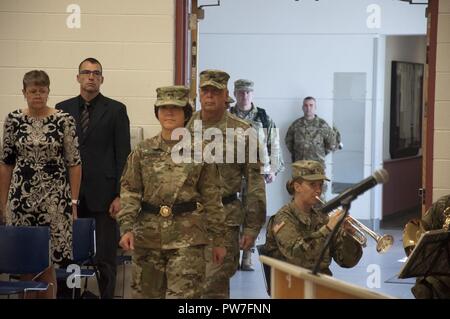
pixel 406 109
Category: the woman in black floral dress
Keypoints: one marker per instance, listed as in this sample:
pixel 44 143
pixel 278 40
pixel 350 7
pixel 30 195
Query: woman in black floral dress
pixel 39 147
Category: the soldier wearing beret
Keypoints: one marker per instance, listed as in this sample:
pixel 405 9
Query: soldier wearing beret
pixel 297 232
pixel 213 114
pixel 170 210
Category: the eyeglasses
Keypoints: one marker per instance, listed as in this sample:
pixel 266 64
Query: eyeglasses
pixel 88 72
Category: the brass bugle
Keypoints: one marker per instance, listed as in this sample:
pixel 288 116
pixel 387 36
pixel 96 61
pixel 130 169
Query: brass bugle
pixel 384 242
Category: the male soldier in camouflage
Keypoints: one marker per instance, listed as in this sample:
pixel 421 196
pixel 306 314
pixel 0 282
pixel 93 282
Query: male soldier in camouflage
pixel 297 232
pixel 268 134
pixel 434 287
pixel 213 114
pixel 170 210
pixel 310 137
pixel 260 120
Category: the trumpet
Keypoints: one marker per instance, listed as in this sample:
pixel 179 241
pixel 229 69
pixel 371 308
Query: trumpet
pixel 384 242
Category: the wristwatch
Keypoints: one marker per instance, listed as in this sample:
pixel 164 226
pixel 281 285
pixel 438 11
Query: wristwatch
pixel 76 202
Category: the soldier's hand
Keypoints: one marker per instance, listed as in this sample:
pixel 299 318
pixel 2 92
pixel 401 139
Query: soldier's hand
pixel 348 226
pixel 218 254
pixel 127 241
pixel 247 242
pixel 114 208
pixel 334 218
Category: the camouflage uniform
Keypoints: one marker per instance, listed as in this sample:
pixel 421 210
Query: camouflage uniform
pixel 298 237
pixel 437 287
pixel 310 140
pixel 168 260
pixel 268 135
pixel 232 174
pixel 268 138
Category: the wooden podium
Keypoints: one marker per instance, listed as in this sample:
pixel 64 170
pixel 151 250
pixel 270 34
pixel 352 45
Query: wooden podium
pixel 288 281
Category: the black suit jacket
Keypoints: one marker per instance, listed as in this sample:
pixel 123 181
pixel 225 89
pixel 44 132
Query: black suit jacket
pixel 104 149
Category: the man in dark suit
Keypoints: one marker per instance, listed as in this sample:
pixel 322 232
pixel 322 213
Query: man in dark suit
pixel 103 129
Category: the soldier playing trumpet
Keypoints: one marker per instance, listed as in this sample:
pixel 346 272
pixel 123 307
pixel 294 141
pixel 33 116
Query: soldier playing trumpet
pixel 297 232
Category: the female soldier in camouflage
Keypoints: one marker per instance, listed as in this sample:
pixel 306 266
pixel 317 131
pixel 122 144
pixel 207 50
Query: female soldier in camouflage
pixel 297 232
pixel 169 210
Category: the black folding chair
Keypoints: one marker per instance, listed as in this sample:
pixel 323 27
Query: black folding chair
pixel 83 241
pixel 265 268
pixel 23 250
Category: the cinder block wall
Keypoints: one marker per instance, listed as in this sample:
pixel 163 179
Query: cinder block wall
pixel 441 156
pixel 134 40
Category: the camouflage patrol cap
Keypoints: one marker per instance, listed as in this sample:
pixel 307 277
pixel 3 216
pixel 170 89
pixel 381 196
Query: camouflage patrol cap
pixel 243 85
pixel 177 95
pixel 216 78
pixel 308 170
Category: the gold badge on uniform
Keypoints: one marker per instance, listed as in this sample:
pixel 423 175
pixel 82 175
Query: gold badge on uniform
pixel 277 227
pixel 165 211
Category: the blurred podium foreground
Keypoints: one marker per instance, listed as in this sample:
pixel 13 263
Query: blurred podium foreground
pixel 287 281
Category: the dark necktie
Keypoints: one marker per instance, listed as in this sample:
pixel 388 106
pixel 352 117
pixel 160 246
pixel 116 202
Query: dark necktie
pixel 84 119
